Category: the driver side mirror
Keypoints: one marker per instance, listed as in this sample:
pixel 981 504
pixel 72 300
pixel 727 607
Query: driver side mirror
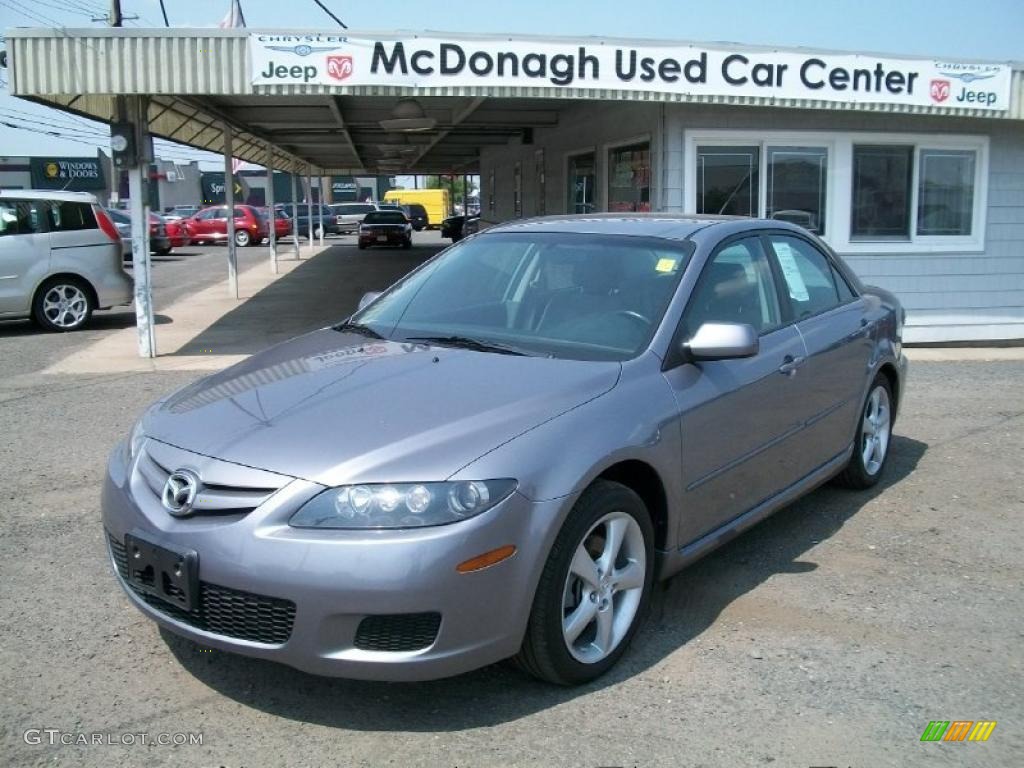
pixel 722 341
pixel 368 298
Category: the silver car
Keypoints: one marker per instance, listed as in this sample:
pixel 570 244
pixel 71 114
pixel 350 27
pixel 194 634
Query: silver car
pixel 60 259
pixel 498 456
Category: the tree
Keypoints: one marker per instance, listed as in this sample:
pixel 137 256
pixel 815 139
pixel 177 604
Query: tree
pixel 445 182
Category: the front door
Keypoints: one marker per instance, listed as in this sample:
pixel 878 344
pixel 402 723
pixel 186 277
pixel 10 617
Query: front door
pixel 24 253
pixel 735 415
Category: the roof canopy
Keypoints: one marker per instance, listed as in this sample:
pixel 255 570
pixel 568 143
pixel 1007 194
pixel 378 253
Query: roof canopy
pixel 326 98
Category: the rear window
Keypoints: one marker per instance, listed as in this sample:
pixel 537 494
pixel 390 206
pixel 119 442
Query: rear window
pixel 385 217
pixel 67 216
pixel 356 208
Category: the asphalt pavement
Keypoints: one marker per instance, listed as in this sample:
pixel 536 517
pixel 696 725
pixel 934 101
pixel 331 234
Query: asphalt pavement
pixel 829 635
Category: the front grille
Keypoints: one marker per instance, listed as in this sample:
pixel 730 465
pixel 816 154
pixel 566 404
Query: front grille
pixel 222 610
pixel 211 499
pixel 398 632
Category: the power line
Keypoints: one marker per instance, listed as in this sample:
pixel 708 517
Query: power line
pixel 326 10
pixel 37 17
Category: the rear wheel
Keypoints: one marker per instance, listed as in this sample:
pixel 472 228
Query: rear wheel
pixel 874 433
pixel 63 304
pixel 163 251
pixel 242 238
pixel 594 589
pixel 362 246
pixel 408 243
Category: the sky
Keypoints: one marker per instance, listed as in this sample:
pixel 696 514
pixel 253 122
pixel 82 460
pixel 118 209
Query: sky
pixel 981 29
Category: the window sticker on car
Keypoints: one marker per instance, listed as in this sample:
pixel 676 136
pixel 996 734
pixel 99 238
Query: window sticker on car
pixel 666 265
pixel 790 270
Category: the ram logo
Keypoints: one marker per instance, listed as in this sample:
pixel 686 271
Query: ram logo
pixel 339 67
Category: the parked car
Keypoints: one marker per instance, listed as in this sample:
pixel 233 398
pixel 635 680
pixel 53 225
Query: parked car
pixel 177 212
pixel 350 215
pixel 160 242
pixel 332 223
pixel 454 227
pixel 471 226
pixel 417 215
pixel 60 257
pixel 177 233
pixel 210 225
pixel 385 228
pixel 499 455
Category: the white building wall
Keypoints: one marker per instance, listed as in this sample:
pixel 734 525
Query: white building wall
pixel 949 296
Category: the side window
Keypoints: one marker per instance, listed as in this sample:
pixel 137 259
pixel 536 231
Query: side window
pixel 736 286
pixel 810 284
pixel 67 216
pixel 18 217
pixel 845 291
pixel 206 215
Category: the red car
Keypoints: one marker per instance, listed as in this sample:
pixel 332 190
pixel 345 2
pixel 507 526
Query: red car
pixel 210 225
pixel 282 224
pixel 177 233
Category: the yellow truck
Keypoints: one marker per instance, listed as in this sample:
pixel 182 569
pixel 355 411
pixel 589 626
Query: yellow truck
pixel 437 202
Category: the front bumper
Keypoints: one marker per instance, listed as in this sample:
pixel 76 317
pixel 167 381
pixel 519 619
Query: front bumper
pixel 341 582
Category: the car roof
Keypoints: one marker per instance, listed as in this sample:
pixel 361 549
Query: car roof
pixel 672 226
pixel 48 194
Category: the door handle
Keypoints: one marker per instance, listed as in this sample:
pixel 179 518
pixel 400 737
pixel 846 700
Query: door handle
pixel 790 364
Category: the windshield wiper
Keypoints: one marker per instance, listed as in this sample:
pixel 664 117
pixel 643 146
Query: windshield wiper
pixel 359 328
pixel 465 342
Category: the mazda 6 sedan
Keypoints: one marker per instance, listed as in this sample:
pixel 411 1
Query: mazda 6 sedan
pixel 500 454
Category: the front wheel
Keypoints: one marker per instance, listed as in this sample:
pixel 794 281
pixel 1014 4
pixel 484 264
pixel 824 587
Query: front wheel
pixel 874 433
pixel 594 589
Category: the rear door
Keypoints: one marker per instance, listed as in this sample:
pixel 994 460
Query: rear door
pixel 736 415
pixel 831 319
pixel 24 253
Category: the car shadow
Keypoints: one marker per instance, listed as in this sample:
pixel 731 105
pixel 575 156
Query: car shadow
pixel 106 320
pixel 322 290
pixel 681 610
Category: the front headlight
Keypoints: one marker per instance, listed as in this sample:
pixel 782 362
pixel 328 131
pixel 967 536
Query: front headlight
pixel 135 440
pixel 401 505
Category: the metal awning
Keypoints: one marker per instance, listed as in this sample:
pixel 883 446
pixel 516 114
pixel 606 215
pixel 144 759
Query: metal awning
pixel 198 79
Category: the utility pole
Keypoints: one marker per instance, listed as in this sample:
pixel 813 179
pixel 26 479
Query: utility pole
pixel 116 19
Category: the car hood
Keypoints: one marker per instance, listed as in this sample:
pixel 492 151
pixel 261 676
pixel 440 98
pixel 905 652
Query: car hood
pixel 335 407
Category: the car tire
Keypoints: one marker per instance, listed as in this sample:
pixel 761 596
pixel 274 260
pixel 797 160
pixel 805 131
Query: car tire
pixel 63 304
pixel 362 246
pixel 564 651
pixel 874 438
pixel 243 239
pixel 163 251
pixel 407 244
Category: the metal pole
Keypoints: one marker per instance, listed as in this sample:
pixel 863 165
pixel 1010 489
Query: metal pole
pixel 140 263
pixel 320 206
pixel 271 213
pixel 229 201
pixel 309 201
pixel 116 21
pixel 295 217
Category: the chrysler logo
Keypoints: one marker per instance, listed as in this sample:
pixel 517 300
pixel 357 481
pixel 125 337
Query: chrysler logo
pixel 180 492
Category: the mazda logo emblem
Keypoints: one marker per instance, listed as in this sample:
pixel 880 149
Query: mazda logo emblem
pixel 180 492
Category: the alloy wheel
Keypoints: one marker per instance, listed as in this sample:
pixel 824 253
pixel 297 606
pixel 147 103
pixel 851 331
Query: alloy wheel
pixel 876 430
pixel 604 587
pixel 65 305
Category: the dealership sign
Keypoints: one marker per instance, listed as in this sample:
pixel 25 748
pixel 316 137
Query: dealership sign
pixel 432 62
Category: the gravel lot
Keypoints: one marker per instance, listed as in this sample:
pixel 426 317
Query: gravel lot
pixel 827 636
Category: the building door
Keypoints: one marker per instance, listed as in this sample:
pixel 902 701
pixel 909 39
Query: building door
pixel 582 183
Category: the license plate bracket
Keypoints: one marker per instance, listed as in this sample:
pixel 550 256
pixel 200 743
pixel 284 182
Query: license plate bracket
pixel 170 573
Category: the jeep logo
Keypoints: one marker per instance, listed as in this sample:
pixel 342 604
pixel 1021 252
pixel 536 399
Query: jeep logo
pixel 303 72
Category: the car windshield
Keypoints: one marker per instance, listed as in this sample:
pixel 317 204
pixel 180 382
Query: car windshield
pixel 385 217
pixel 571 296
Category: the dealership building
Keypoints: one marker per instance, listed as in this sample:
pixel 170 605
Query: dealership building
pixel 911 168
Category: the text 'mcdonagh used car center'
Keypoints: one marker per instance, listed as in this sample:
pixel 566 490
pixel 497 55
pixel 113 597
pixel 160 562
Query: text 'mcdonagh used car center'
pixel 912 169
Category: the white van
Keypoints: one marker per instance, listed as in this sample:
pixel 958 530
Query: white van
pixel 60 258
pixel 350 215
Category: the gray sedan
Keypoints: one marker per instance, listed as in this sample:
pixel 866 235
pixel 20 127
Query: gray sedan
pixel 498 456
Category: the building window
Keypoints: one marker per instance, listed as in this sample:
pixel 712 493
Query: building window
pixel 881 192
pixel 863 192
pixel 582 183
pixel 540 206
pixel 629 178
pixel 727 180
pixel 945 192
pixel 797 184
